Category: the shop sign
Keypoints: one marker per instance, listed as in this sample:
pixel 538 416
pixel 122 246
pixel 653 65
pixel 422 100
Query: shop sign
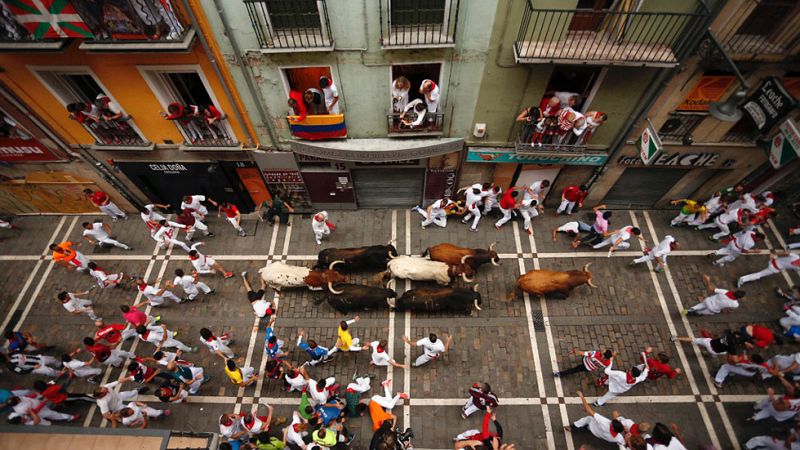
pixel 769 104
pixel 707 159
pixel 283 176
pixel 785 145
pixel 649 144
pixel 291 184
pixel 439 183
pixel 709 89
pixel 168 168
pixel 24 150
pixel 504 156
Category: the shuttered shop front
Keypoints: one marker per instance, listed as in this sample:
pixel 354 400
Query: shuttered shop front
pixel 381 188
pixel 642 187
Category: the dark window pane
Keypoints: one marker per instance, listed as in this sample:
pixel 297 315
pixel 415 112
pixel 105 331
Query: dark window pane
pixel 413 12
pixel 190 88
pixel 293 14
pixel 766 17
pixel 85 85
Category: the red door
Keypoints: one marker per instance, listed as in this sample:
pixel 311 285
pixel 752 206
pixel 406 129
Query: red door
pixel 330 190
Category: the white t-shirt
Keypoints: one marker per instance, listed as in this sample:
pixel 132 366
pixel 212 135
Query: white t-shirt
pixel 719 301
pixel 618 380
pixel 73 304
pixel 743 240
pixel 134 419
pixel 97 232
pixel 624 233
pixel 230 430
pixel 320 226
pixel 474 200
pixel 437 208
pixel 216 345
pixel 111 402
pixel 293 436
pixel 195 204
pixel 186 282
pixel 731 215
pixel 319 397
pixel 663 248
pixel 260 307
pixel 330 93
pixel 154 334
pixel 297 382
pixel 379 358
pixel 569 227
pixel 400 97
pixel 434 94
pixel 789 262
pixel 152 215
pixel 431 349
pixel 601 427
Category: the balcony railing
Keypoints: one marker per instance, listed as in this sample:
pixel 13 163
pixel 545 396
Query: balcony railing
pixel 418 23
pixel 679 126
pixel 431 125
pixel 290 25
pixel 125 22
pixel 580 36
pixel 752 46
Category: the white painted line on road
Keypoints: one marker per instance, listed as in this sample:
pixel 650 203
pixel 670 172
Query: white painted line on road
pixel 390 339
pixel 407 331
pixel 784 273
pixel 537 363
pixel 679 348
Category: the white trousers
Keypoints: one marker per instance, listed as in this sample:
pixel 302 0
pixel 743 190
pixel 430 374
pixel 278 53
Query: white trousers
pixel 645 258
pixel 49 414
pixel 727 369
pixel 159 300
pixel 701 309
pixel 490 204
pixel 113 242
pixel 171 342
pixel 166 241
pixel 113 211
pixel 232 221
pixel 770 270
pixel 706 344
pixel 609 240
pixel 361 385
pixel 792 319
pixel 767 442
pixel 608 396
pixel 527 215
pixel 87 307
pixel 764 409
pixel 194 291
pixel 118 357
pixel 475 215
pixel 439 219
pixel 197 375
pixel 729 253
pixel 506 217
pixel 470 408
pixel 198 225
pixel 87 371
pixel 681 218
pixel 423 359
pixel 565 205
pixel 386 401
pixel 319 234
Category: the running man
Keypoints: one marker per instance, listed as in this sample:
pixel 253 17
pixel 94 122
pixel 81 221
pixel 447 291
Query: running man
pixel 76 305
pixel 321 226
pixel 600 426
pixel 192 225
pixel 161 337
pixel 155 296
pixel 690 211
pixel 436 213
pixel 593 360
pixel 345 341
pixel 190 284
pixel 318 353
pixel 619 239
pixel 66 256
pixel 572 195
pixel 379 355
pixel 104 203
pixel 168 233
pixel 480 398
pixel 204 264
pixel 718 300
pixel 723 221
pixel 194 203
pixel 432 348
pixel 217 345
pixel 740 243
pixel 104 279
pixel 491 201
pixel 620 382
pixel 102 235
pixel 474 195
pixel 233 216
pixel 659 253
pixel 508 202
pixel 791 261
pixel 258 301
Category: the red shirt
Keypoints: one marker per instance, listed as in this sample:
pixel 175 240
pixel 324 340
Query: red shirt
pixel 574 194
pixel 54 394
pixel 101 352
pixel 230 212
pixel 762 336
pixel 186 218
pixel 135 317
pixel 99 198
pixel 110 333
pixel 657 369
pixel 507 201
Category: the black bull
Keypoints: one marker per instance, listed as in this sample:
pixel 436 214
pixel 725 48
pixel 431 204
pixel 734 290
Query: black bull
pixel 346 297
pixel 373 257
pixel 433 299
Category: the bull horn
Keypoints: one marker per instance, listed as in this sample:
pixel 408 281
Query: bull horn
pixel 465 257
pixel 475 288
pixel 390 284
pixel 492 246
pixel 475 302
pixel 589 282
pixel 496 261
pixel 586 267
pixel 333 291
pixel 391 256
pixel 333 264
pixel 466 280
pixel 391 242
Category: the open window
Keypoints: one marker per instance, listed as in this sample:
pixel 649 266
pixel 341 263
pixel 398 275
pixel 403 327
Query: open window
pixel 321 105
pixel 410 110
pixel 90 104
pixel 189 103
pixel 589 14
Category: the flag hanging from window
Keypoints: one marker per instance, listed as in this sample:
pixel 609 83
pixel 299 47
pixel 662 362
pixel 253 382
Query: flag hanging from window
pixel 49 19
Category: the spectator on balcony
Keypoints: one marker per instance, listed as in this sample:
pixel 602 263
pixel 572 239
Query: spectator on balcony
pixel 298 106
pixel 432 93
pixel 84 113
pixel 550 107
pixel 185 118
pixel 567 99
pixel 530 118
pixel 413 114
pixel 594 119
pixel 400 88
pixel 210 115
pixel 570 120
pixel 151 10
pixel 331 95
pixel 314 101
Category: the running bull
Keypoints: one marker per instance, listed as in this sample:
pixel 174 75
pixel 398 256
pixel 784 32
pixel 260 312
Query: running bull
pixel 347 297
pixel 372 257
pixel 454 255
pixel 418 268
pixel 553 283
pixel 278 275
pixel 433 299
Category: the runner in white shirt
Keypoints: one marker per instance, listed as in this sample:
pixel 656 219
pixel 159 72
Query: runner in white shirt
pixel 789 262
pixel 746 202
pixel 161 337
pixel 297 379
pixel 719 300
pixel 432 348
pixel 659 253
pixel 195 205
pixel 104 279
pixel 491 201
pixel 218 345
pixel 536 188
pixel 436 212
pixel 319 224
pixel 529 208
pixel 571 229
pixel 713 205
pixel 296 431
pixel 723 222
pixel 101 234
pixel 379 355
pixel 167 234
pixel 136 414
pixel 76 305
pixel 204 264
pixel 319 391
pixel 257 298
pixel 191 286
pixel 110 401
pixel 29 411
pixel 155 296
pixel 618 239
pixel 741 242
pixel 601 427
pixel 766 442
pixel 620 382
pixel 149 213
pixel 79 368
pixel 475 195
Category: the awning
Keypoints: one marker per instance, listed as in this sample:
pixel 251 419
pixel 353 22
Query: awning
pixel 378 150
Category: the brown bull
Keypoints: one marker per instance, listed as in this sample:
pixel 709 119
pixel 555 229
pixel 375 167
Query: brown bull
pixel 552 283
pixel 317 279
pixel 459 256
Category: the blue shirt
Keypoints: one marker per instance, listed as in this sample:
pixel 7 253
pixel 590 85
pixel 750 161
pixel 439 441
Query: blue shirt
pixel 18 343
pixel 328 413
pixel 316 353
pixel 271 351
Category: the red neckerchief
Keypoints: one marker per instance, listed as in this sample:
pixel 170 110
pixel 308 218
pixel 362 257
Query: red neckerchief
pixel 635 429
pixel 611 429
pixel 195 257
pixel 142 287
pixel 730 295
pixel 379 349
pixel 629 378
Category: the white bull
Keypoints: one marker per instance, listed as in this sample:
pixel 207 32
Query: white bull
pixel 418 268
pixel 278 275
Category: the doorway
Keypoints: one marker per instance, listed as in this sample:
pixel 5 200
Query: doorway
pixel 574 82
pixel 379 188
pixel 589 14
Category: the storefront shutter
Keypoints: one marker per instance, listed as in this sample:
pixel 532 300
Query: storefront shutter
pixel 381 188
pixel 642 187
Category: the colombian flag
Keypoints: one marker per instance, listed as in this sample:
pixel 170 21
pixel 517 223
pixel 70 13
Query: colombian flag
pixel 315 128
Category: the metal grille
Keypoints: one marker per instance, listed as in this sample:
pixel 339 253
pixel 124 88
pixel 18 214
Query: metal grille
pixel 767 31
pixel 290 24
pixel 642 187
pixel 418 23
pixel 379 188
pixel 607 36
pixel 679 126
pixel 433 123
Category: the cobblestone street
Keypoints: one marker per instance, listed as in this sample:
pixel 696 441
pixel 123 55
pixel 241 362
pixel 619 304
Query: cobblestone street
pixel 514 345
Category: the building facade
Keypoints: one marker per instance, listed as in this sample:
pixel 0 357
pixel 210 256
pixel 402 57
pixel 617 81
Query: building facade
pixel 131 90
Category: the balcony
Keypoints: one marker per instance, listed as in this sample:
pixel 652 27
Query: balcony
pixel 200 132
pixel 418 23
pixel 432 125
pixel 284 26
pixel 761 30
pixel 318 127
pixel 608 37
pixel 131 26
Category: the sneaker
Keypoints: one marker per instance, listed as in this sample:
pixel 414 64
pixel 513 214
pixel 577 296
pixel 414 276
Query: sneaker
pixel 210 235
pixel 193 350
pixel 94 379
pixel 464 221
pixel 74 417
pixel 415 208
pixel 739 283
pixel 206 378
pixel 463 416
pixel 403 395
pixel 167 413
pixel 244 274
pixel 143 390
pixel 228 274
pixel 187 299
pixel 556 374
pixel 595 404
pixel 473 229
pixel 242 234
pixel 718 385
pixel 673 338
pixel 212 292
pixel 386 383
pixel 685 312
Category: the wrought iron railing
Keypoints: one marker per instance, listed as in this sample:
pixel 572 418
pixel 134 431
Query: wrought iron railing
pixel 606 36
pixel 753 46
pixel 199 133
pixel 740 137
pixel 116 132
pixel 290 24
pixel 432 123
pixel 679 126
pixel 418 23
pixel 566 143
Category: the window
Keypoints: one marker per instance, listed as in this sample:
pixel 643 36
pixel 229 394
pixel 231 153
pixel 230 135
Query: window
pixel 407 81
pixel 578 81
pixel 589 15
pixel 92 106
pixel 412 12
pixel 679 126
pixel 290 24
pixel 306 81
pixel 766 17
pixel 293 14
pixel 188 103
pixel 743 131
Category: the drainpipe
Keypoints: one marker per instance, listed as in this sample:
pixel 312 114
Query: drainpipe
pixel 261 105
pixel 212 57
